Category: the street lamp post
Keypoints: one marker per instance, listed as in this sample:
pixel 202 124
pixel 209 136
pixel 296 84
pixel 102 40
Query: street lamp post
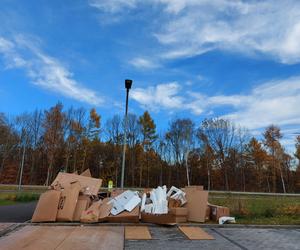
pixel 128 84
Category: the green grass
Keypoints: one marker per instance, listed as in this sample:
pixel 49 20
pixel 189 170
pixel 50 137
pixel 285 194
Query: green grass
pixel 6 202
pixel 250 209
pixel 15 197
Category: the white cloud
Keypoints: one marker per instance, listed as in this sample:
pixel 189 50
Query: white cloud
pixel 193 27
pixel 162 96
pixel 274 102
pixel 143 63
pixel 113 6
pixel 44 70
pixel 270 27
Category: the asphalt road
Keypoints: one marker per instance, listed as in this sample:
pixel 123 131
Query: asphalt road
pixel 17 213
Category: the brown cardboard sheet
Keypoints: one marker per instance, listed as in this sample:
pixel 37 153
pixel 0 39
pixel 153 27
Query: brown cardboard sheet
pixel 83 203
pixel 46 209
pixel 86 173
pixel 162 219
pixel 196 233
pixel 91 215
pixel 137 233
pixel 196 203
pixel 105 209
pixel 67 202
pixel 91 185
pixel 126 216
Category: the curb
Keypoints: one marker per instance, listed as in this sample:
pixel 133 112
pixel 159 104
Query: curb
pixel 241 226
pixel 11 228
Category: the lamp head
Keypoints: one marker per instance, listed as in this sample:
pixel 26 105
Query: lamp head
pixel 128 84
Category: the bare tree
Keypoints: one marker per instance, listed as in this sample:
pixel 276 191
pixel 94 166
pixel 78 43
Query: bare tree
pixel 220 134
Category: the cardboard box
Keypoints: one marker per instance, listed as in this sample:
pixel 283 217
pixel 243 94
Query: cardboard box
pixel 67 202
pixel 86 173
pixel 125 216
pixel 180 213
pixel 196 203
pixel 83 203
pixel 92 213
pixel 91 185
pixel 46 209
pixel 218 211
pixel 161 219
pixel 173 203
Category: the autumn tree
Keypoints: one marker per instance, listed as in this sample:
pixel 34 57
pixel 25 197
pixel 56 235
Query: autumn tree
pixel 257 158
pixel 54 136
pixel 272 135
pixel 148 133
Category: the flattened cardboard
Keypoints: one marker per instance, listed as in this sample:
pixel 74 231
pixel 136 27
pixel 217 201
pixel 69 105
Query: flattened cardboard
pixel 83 203
pixel 86 173
pixel 104 210
pixel 161 219
pixel 218 211
pixel 196 233
pixel 196 203
pixel 126 216
pixel 92 213
pixel 91 185
pixel 67 202
pixel 137 233
pixel 46 209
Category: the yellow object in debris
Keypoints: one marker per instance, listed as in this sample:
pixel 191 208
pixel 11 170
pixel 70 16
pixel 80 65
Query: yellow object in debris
pixel 110 185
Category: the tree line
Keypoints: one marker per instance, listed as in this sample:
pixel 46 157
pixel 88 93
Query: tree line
pixel 35 146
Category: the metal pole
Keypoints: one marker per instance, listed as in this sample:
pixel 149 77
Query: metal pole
pixel 125 139
pixel 22 166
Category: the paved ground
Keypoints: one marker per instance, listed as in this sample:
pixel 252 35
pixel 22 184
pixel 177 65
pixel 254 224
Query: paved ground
pixel 17 213
pixel 56 237
pixel 172 238
pixel 225 238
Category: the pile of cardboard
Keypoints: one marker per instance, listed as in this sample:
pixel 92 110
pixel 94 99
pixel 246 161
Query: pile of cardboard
pixel 73 197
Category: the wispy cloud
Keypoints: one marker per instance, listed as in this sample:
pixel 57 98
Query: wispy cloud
pixel 45 71
pixel 143 63
pixel 113 6
pixel 273 102
pixel 193 27
pixel 269 27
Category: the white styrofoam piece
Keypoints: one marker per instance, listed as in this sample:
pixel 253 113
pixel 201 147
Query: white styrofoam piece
pixel 148 208
pixel 120 201
pixel 132 203
pixel 143 202
pixel 178 195
pixel 158 197
pixel 117 208
pixel 225 219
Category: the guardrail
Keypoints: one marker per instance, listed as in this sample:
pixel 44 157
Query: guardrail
pixel 13 188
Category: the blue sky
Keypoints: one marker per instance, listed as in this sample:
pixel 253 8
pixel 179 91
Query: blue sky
pixel 187 58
